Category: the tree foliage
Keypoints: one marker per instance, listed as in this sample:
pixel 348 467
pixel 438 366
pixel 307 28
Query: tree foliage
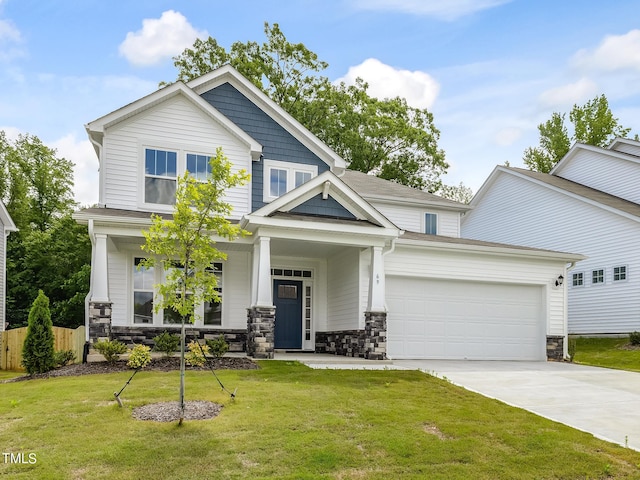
pixel 50 251
pixel 386 137
pixel 37 350
pixel 593 124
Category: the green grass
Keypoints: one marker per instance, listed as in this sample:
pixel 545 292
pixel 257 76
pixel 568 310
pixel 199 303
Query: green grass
pixel 292 422
pixel 607 352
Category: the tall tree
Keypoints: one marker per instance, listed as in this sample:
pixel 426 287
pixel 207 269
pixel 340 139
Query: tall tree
pixel 184 248
pixel 386 137
pixel 593 124
pixel 50 251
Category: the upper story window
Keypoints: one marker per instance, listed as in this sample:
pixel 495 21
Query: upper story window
pixel 431 223
pixel 597 276
pixel 281 177
pixel 577 279
pixel 619 273
pixel 160 176
pixel 161 171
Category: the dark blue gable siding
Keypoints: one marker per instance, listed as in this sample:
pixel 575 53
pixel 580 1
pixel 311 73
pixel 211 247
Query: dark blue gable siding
pixel 329 207
pixel 278 144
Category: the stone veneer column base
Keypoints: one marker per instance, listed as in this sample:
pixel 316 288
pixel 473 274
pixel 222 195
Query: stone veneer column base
pixel 99 321
pixel 261 322
pixel 375 335
pixel 555 347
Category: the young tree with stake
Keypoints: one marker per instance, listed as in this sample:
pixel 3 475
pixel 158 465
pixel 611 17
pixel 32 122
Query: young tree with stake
pixel 184 247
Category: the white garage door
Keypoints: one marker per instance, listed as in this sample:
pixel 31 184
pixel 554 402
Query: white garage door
pixel 441 319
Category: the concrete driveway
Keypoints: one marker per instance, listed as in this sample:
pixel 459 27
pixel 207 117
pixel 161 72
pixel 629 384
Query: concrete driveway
pixel 600 401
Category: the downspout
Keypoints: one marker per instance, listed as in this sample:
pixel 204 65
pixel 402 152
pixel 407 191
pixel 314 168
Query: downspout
pixel 87 299
pixel 98 147
pixel 386 252
pixel 567 269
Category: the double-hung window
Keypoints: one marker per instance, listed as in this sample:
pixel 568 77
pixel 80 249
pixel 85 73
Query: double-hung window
pixel 143 280
pixel 281 177
pixel 198 166
pixel 431 223
pixel 160 176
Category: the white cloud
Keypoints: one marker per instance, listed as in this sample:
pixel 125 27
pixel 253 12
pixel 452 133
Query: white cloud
pixel 615 52
pixel 10 41
pixel 159 39
pixel 568 95
pixel 419 88
pixel 85 170
pixel 507 136
pixel 441 9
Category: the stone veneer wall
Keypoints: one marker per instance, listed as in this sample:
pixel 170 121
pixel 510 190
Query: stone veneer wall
pixel 99 321
pixel 237 339
pixel 261 323
pixel 370 343
pixel 555 348
pixel 375 335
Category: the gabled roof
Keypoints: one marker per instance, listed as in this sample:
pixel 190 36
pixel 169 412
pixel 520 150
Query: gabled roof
pixel 623 141
pixel 375 188
pixel 567 187
pixel 96 128
pixel 6 220
pixel 228 74
pixel 326 184
pixel 581 147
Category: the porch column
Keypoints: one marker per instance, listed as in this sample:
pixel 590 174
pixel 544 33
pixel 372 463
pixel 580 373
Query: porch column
pixel 376 281
pixel 99 303
pixel 375 318
pixel 261 316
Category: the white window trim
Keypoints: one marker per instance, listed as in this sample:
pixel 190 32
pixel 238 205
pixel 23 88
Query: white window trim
pixel 158 317
pixel 291 169
pixel 181 167
pixel 577 286
pixel 604 276
pixel 626 273
pixel 424 222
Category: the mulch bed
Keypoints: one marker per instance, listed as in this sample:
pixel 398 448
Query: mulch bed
pixel 170 411
pixel 163 364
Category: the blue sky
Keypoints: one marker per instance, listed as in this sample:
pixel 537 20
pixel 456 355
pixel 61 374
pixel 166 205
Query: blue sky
pixel 489 70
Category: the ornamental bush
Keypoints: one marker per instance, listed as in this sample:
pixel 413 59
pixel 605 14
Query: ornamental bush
pixel 37 350
pixel 634 338
pixel 63 357
pixel 139 357
pixel 194 356
pixel 166 342
pixel 110 349
pixel 218 346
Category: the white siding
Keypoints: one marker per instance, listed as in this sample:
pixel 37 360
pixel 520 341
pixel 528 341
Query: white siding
pixel 119 288
pixel 411 218
pixel 175 124
pixel 626 148
pixel 520 212
pixel 343 290
pixel 420 262
pixel 605 173
pixel 236 288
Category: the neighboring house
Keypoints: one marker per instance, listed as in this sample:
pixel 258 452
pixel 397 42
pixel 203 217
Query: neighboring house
pixel 338 261
pixel 590 204
pixel 7 226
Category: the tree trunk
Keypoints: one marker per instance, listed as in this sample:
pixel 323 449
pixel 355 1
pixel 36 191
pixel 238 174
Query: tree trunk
pixel 182 368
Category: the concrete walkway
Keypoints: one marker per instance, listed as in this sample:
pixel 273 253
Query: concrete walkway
pixel 600 401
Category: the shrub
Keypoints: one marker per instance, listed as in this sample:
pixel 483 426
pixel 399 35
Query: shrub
pixel 634 338
pixel 37 350
pixel 218 346
pixel 166 342
pixel 139 357
pixel 110 349
pixel 194 356
pixel 63 357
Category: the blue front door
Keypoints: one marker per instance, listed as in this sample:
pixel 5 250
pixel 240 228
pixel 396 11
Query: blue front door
pixel 287 298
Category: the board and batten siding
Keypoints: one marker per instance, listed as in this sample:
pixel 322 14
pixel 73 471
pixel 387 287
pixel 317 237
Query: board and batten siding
pixel 423 262
pixel 176 124
pixel 604 172
pixel 411 218
pixel 343 290
pixel 520 212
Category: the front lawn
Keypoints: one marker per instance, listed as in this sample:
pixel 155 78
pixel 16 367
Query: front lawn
pixel 291 422
pixel 607 352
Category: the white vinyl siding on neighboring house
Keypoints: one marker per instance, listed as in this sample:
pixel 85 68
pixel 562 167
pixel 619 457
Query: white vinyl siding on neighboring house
pixel 627 148
pixel 513 211
pixel 174 125
pixel 606 173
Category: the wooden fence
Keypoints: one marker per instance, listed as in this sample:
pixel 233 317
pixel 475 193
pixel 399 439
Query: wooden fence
pixel 11 342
